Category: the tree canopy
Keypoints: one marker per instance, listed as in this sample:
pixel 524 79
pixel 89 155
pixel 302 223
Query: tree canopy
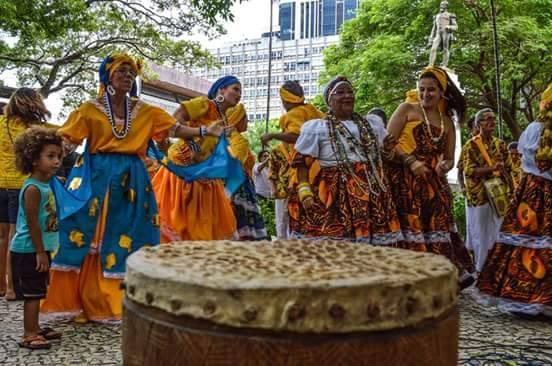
pixel 383 49
pixel 58 44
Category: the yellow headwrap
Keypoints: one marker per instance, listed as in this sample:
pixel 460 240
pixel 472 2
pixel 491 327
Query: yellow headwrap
pixel 235 115
pixel 289 97
pixel 112 63
pixel 439 74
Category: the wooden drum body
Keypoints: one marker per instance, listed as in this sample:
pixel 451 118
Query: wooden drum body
pixel 289 303
pixel 154 337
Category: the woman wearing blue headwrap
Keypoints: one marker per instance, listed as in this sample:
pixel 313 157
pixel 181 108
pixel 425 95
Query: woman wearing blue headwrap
pixel 198 210
pixel 115 212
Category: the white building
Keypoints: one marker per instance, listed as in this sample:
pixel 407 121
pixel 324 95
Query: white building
pixel 305 28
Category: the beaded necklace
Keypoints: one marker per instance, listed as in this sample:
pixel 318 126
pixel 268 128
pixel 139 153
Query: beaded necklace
pixel 222 115
pixel 433 138
pixel 119 133
pixel 367 148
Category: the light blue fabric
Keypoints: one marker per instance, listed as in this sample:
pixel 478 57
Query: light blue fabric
pixel 47 218
pixel 527 147
pixel 132 216
pixel 219 165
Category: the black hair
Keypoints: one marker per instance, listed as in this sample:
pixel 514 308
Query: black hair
pixel 455 100
pixel 294 87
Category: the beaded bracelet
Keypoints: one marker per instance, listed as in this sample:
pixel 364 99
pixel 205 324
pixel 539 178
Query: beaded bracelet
pixel 202 131
pixel 409 160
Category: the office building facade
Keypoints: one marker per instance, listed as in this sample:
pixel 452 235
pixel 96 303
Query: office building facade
pixel 306 28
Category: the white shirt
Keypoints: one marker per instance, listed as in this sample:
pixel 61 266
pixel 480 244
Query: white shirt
pixel 263 187
pixel 314 140
pixel 527 147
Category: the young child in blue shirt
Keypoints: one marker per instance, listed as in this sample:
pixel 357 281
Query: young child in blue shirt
pixel 38 153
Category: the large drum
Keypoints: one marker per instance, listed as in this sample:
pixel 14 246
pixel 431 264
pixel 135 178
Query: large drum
pixel 289 303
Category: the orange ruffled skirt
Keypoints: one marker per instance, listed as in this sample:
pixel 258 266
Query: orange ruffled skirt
pixel 192 211
pixel 87 291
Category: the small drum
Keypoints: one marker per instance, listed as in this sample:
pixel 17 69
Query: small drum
pixel 289 302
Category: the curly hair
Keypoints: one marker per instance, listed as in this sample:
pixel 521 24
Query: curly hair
pixel 29 145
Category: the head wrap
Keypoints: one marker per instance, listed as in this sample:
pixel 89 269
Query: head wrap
pixel 222 82
pixel 289 97
pixel 546 97
pixel 235 115
pixel 439 74
pixel 332 85
pixel 112 63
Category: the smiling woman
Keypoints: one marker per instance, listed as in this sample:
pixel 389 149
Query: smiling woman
pixel 350 197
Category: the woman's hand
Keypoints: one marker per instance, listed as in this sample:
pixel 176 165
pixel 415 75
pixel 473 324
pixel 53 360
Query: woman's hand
pixel 307 203
pixel 265 139
pixel 443 167
pixel 419 169
pixel 216 129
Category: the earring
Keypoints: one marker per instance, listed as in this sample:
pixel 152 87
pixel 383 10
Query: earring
pixel 110 90
pixel 219 98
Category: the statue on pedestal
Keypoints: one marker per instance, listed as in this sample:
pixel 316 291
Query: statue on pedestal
pixel 444 24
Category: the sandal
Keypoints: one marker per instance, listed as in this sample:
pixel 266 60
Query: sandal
pixel 35 342
pixel 10 296
pixel 49 334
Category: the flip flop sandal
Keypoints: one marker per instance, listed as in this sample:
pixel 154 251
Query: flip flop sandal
pixel 37 342
pixel 49 334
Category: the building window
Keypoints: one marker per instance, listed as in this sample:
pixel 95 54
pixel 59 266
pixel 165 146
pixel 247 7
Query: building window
pixel 287 21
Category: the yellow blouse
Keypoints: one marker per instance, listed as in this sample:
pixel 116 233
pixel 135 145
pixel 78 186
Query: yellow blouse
pixel 10 177
pixel 239 148
pixel 90 122
pixel 292 121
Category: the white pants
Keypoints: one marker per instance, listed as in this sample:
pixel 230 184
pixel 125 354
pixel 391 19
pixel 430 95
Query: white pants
pixel 282 218
pixel 483 228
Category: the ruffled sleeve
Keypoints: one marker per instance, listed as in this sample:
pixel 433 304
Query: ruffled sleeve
pixel 75 129
pixel 308 142
pixel 162 123
pixel 196 108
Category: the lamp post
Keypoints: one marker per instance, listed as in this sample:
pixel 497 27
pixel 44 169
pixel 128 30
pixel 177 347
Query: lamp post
pixel 497 70
pixel 269 71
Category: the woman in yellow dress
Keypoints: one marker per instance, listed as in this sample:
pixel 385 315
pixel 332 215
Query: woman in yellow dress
pixel 108 208
pixel 425 133
pixel 24 109
pixel 199 209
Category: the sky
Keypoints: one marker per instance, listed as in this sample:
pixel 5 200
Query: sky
pixel 251 19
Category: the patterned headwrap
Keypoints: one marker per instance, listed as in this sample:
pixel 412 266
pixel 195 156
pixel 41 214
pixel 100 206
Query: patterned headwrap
pixel 222 82
pixel 332 85
pixel 235 114
pixel 544 152
pixel 112 63
pixel 289 97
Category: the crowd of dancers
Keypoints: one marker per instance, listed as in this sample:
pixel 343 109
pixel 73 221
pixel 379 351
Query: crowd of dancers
pixel 146 177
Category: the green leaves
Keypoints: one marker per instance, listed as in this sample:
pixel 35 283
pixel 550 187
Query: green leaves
pixel 385 46
pixel 58 44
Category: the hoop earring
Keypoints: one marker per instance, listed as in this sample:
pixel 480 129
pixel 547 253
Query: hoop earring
pixel 219 98
pixel 110 90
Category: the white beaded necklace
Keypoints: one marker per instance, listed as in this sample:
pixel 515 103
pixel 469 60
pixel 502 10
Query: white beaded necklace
pixel 433 138
pixel 127 122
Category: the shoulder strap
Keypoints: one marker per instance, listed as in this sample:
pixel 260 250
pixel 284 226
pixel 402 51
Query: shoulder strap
pixel 479 143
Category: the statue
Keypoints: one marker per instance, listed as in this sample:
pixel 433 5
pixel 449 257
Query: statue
pixel 441 35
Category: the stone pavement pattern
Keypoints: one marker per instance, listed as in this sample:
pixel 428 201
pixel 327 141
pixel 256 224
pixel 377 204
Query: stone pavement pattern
pixel 487 338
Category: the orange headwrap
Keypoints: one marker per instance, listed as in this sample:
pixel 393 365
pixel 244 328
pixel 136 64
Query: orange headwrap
pixel 112 63
pixel 289 97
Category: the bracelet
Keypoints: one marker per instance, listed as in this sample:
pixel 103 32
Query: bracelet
pixel 202 131
pixel 303 185
pixel 304 194
pixel 388 155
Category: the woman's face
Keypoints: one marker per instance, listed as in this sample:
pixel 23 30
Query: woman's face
pixel 430 92
pixel 231 94
pixel 342 100
pixel 487 123
pixel 123 77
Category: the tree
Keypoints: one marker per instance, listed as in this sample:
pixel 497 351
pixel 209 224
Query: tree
pixel 58 44
pixel 256 129
pixel 385 46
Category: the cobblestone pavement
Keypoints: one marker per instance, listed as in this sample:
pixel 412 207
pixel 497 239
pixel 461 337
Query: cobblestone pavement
pixel 487 338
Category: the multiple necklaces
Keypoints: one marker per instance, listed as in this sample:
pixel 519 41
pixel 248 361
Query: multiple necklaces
pixel 367 148
pixel 118 132
pixel 433 138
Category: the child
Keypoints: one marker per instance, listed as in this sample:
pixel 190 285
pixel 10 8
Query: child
pixel 38 153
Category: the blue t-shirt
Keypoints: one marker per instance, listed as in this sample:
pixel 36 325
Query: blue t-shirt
pixel 21 242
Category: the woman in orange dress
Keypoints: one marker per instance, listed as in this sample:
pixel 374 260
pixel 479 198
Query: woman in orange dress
pixel 107 207
pixel 425 153
pixel 517 276
pixel 199 209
